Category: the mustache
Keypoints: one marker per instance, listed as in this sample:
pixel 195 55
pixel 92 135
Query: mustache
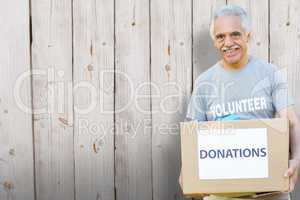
pixel 226 48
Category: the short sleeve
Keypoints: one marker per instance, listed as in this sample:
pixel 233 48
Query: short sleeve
pixel 281 96
pixel 196 106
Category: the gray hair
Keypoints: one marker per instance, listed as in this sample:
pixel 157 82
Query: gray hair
pixel 229 10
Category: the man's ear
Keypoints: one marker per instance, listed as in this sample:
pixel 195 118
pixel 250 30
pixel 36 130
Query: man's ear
pixel 248 36
pixel 215 43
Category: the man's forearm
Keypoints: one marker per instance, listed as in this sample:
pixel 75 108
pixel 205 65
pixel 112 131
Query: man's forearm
pixel 295 141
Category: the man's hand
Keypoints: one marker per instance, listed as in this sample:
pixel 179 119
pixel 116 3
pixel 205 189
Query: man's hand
pixel 180 180
pixel 292 174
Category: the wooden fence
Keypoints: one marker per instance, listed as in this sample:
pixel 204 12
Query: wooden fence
pixel 110 81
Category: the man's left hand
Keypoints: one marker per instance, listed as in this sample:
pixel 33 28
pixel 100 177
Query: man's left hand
pixel 292 173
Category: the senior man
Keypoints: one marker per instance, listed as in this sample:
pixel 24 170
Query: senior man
pixel 242 86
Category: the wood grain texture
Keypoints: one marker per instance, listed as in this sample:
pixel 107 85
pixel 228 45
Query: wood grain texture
pixel 285 42
pixel 52 98
pixel 204 52
pixel 132 101
pixel 130 64
pixel 16 146
pixel 285 47
pixel 171 76
pixel 257 11
pixel 94 99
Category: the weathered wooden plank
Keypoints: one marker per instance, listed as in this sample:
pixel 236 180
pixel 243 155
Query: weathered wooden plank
pixel 285 46
pixel 52 98
pixel 16 146
pixel 257 11
pixel 133 122
pixel 204 52
pixel 94 72
pixel 171 76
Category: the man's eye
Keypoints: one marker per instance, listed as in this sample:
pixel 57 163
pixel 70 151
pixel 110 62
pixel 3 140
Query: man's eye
pixel 236 34
pixel 220 37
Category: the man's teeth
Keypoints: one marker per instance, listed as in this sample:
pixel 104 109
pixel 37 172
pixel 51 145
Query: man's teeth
pixel 230 50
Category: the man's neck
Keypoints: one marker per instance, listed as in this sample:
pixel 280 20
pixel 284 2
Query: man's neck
pixel 243 62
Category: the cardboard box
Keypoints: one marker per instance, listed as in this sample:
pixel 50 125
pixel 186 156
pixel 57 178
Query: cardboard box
pixel 234 158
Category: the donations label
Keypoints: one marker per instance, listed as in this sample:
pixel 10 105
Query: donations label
pixel 238 154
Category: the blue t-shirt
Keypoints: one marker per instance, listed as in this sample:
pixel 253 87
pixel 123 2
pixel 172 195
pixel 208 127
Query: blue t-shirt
pixel 257 90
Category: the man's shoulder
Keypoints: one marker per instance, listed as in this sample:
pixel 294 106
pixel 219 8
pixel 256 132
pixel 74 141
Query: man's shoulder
pixel 263 65
pixel 208 74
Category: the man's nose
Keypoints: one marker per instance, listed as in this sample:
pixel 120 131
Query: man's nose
pixel 228 41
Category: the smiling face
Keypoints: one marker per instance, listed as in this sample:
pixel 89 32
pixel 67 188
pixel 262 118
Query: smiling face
pixel 231 41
